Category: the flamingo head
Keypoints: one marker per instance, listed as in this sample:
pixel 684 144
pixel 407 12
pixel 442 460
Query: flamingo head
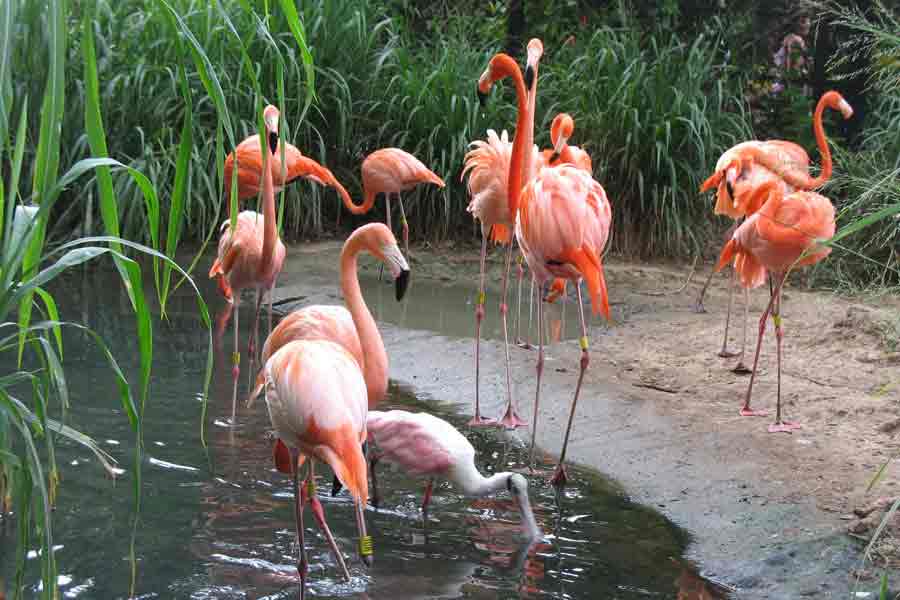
pixel 381 243
pixel 518 488
pixel 500 66
pixel 561 130
pixel 835 101
pixel 270 118
pixel 535 51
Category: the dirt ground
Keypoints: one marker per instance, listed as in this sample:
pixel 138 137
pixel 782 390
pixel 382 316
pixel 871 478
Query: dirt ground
pixel 768 513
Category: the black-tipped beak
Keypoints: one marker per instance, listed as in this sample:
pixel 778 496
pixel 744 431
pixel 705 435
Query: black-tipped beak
pixel 529 77
pixel 554 157
pixel 335 486
pixel 482 97
pixel 402 283
pixel 273 141
pixel 730 189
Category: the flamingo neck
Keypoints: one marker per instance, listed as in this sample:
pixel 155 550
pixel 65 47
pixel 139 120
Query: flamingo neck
pixel 822 144
pixel 270 228
pixel 375 361
pixel 475 485
pixel 524 135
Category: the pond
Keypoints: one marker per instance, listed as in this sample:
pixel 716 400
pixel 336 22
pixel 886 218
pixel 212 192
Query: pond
pixel 218 522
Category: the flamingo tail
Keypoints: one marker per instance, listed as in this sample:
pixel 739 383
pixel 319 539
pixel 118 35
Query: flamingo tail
pixel 500 234
pixel 349 464
pixel 588 264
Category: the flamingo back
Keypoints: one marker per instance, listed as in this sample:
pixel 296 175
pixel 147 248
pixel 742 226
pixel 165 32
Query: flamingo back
pixel 563 227
pixel 317 402
pixel 392 170
pixel 321 322
pixel 419 443
pixel 239 254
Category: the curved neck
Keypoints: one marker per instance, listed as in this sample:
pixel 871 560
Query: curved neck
pixel 524 134
pixel 475 485
pixel 822 144
pixel 375 362
pixel 270 228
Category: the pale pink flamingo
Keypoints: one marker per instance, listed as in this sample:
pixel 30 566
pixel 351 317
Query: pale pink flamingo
pixel 353 328
pixel 317 402
pixel 391 171
pixel 251 255
pixel 563 225
pixel 785 233
pixel 744 168
pixel 425 446
pixel 561 129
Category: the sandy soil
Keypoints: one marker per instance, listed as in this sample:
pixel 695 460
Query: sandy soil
pixel 768 512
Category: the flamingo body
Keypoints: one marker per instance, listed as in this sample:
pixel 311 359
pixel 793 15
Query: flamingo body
pixel 239 257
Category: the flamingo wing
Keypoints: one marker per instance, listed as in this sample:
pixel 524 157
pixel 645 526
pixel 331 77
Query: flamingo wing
pixel 421 444
pixel 487 165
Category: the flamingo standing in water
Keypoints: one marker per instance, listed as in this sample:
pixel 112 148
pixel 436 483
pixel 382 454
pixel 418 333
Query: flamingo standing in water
pixel 744 168
pixel 563 225
pixel 391 171
pixel 425 446
pixel 352 328
pixel 251 255
pixel 317 402
pixel 785 232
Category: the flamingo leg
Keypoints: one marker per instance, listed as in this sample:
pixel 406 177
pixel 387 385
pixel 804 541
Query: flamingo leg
pixel 698 306
pixel 537 389
pixel 527 344
pixel 426 499
pixel 478 420
pixel 564 301
pixel 319 514
pixel 254 333
pixel 375 499
pixel 780 425
pixel 387 221
pixel 746 411
pixel 235 362
pixel 271 301
pixel 740 368
pixel 724 352
pixel 511 419
pixel 365 541
pixel 405 226
pixel 521 275
pixel 559 478
pixel 302 565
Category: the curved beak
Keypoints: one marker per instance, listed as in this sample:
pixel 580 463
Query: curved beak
pixel 560 145
pixel 845 108
pixel 529 523
pixel 398 267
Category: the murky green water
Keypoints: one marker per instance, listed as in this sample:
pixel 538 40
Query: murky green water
pixel 220 524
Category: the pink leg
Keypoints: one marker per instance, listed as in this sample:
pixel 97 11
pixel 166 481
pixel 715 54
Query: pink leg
pixel 510 419
pixel 302 564
pixel 780 425
pixel 520 271
pixel 540 371
pixel 478 420
pixel 235 362
pixel 527 343
pixel 740 368
pixel 254 333
pixel 309 494
pixel 426 499
pixel 746 411
pixel 724 352
pixel 698 306
pixel 405 226
pixel 375 499
pixel 559 478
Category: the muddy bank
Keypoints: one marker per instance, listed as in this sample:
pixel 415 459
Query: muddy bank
pixel 659 408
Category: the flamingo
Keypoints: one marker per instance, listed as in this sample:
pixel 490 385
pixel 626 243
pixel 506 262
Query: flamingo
pixel 294 167
pixel 352 328
pixel 251 255
pixel 425 446
pixel 317 402
pixel 563 225
pixel 744 168
pixel 487 165
pixel 391 171
pixel 785 232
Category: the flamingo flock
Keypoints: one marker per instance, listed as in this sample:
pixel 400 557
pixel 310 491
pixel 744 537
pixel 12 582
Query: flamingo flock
pixel 323 370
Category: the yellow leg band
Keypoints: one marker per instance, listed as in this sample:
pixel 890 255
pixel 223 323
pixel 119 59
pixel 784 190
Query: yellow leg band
pixel 520 259
pixel 481 297
pixel 403 221
pixel 365 545
pixel 235 358
pixel 777 320
pixel 311 487
pixel 583 342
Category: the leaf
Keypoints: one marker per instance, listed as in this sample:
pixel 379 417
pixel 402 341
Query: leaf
pixel 52 315
pixel 296 26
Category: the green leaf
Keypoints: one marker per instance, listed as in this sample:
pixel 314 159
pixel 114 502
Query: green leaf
pixel 52 315
pixel 296 25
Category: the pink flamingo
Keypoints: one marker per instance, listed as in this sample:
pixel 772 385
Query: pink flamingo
pixel 317 401
pixel 744 168
pixel 295 166
pixel 561 129
pixel 487 165
pixel 784 233
pixel 562 227
pixel 352 328
pixel 426 446
pixel 391 171
pixel 251 255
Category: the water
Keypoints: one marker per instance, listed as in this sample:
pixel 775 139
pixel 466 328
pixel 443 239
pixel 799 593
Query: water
pixel 219 524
